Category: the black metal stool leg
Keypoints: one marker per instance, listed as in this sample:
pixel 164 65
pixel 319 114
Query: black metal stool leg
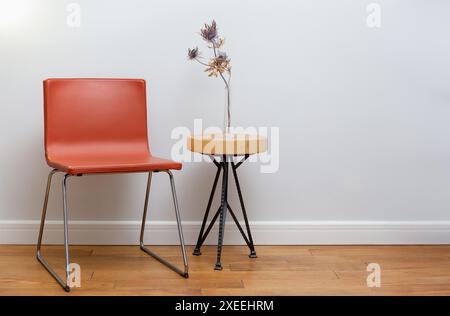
pixel 239 226
pixel 244 213
pixel 200 239
pixel 223 213
pixel 211 224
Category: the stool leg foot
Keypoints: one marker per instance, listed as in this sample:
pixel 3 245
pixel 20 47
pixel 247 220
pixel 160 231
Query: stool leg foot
pixel 197 252
pixel 218 267
pixel 253 255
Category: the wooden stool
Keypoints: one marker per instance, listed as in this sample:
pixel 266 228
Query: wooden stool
pixel 226 146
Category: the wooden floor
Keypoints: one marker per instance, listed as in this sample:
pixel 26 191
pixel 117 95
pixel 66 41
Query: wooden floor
pixel 278 270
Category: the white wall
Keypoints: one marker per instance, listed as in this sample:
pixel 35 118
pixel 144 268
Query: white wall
pixel 363 113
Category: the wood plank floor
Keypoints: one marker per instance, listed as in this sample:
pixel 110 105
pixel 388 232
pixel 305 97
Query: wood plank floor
pixel 278 270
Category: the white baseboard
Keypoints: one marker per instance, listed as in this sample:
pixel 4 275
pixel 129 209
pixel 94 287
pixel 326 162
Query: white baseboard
pixel 264 233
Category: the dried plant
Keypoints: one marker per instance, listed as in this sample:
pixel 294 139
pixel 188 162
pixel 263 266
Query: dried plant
pixel 193 53
pixel 209 32
pixel 219 65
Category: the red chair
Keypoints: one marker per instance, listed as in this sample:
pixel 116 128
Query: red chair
pixel 98 126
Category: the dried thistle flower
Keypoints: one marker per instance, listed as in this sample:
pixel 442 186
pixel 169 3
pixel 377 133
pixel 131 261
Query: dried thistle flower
pixel 217 42
pixel 209 32
pixel 193 53
pixel 218 65
pixel 222 55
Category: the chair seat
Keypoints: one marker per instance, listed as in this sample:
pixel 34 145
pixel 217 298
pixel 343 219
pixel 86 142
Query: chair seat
pixel 84 164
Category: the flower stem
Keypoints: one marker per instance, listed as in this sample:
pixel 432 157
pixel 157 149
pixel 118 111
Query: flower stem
pixel 228 89
pixel 200 62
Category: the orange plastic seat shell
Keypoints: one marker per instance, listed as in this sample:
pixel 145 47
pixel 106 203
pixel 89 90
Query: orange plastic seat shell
pixel 98 126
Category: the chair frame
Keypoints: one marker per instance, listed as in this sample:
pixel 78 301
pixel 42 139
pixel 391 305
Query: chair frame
pixel 66 285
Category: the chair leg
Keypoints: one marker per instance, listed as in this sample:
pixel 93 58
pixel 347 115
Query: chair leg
pixel 180 231
pixel 64 285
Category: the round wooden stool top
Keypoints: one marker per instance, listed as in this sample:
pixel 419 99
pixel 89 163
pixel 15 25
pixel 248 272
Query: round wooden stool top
pixel 227 144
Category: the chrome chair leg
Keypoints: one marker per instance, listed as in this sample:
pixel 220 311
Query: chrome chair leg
pixel 40 258
pixel 184 273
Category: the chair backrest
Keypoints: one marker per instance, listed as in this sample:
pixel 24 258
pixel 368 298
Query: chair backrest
pixel 86 115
